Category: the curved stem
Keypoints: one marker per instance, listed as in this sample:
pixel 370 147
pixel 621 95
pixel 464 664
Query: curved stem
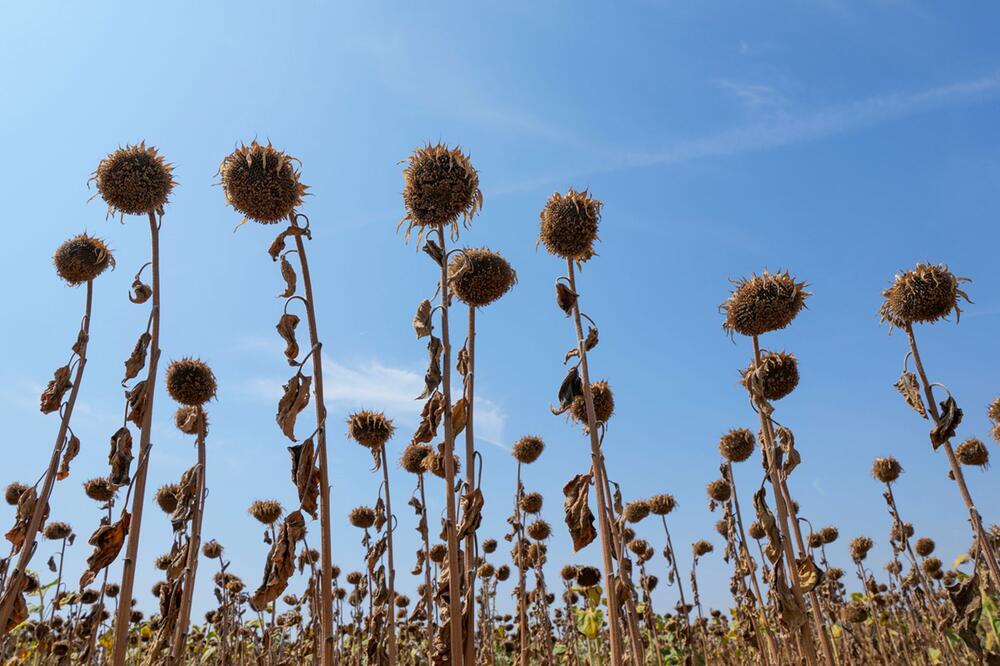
pixel 599 480
pixel 139 482
pixel 16 578
pixel 326 575
pixel 454 573
pixel 194 548
pixel 392 569
pixel 956 470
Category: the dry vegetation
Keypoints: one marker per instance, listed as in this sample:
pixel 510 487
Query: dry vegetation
pixel 790 604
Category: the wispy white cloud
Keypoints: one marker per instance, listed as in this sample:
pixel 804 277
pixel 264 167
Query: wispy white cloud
pixel 785 127
pixel 371 384
pixel 754 96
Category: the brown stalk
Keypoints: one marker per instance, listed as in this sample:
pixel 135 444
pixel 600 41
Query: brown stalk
pixel 599 478
pixel 28 546
pixel 522 598
pixel 986 548
pixel 470 481
pixel 390 528
pixel 428 590
pixel 680 584
pixel 177 649
pixel 454 573
pixel 139 481
pixel 326 571
pixel 805 637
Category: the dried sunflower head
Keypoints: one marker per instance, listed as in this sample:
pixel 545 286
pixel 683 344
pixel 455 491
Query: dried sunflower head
pixel 479 276
pixel 924 546
pixel 926 294
pixel 489 546
pixel 763 303
pixel 588 576
pixel 568 224
pixel 57 531
pixel 134 180
pixel 528 449
pixel 604 404
pixel 931 565
pixel 261 182
pixel 701 547
pixel 100 489
pixel 186 419
pixel 531 503
pixel 719 490
pixel 662 504
pixel 756 531
pixel 12 493
pixel 370 429
pixel 539 530
pixel 362 517
pixel 829 534
pixel 438 552
pixel 993 411
pixel 859 548
pixel 266 512
pixel 190 382
pixel 412 459
pixel 973 452
pixel 886 469
pixel 435 463
pixel 855 612
pixel 486 571
pixel 166 497
pixel 212 549
pixel 503 573
pixel 775 377
pixel 737 445
pixel 440 185
pixel 82 258
pixel 636 510
pixel 900 532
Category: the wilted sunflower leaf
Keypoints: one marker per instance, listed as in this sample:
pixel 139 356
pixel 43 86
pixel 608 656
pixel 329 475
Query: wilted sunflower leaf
pixel 579 517
pixel 471 506
pixel 910 390
pixel 278 246
pixel 809 574
pixel 305 475
pixel 432 378
pixel 288 274
pixel 25 509
pixel 57 387
pixel 459 416
pixel 286 329
pixel 120 457
pixel 69 453
pixel 280 563
pixel 434 251
pixel 81 342
pixel 140 292
pixel 422 319
pixel 107 541
pixel 565 298
pixel 570 389
pixel 137 359
pixel 293 401
pixel 589 343
pixel 949 420
pixel 767 522
pixel 430 419
pixel 136 398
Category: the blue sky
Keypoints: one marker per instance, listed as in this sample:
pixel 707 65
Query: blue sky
pixel 842 141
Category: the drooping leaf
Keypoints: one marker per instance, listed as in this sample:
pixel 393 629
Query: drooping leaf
pixel 909 388
pixel 570 389
pixel 136 398
pixel 293 401
pixel 432 378
pixel 280 563
pixel 278 245
pixel 422 324
pixel 53 394
pixel 288 275
pixel 107 541
pixel 305 475
pixel 120 457
pixel 471 506
pixel 137 359
pixel 565 298
pixel 579 517
pixel 286 329
pixel 949 420
pixel 140 292
pixel 69 453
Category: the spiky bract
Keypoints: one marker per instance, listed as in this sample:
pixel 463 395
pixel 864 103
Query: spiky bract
pixel 662 504
pixel 440 185
pixel 973 452
pixel 266 512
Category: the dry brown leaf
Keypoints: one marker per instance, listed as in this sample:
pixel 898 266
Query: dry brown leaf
pixel 280 563
pixel 909 388
pixel 120 457
pixel 422 324
pixel 286 329
pixel 459 416
pixel 950 418
pixel 294 400
pixel 471 506
pixel 82 338
pixel 278 245
pixel 432 378
pixel 140 292
pixel 565 298
pixel 579 517
pixel 305 475
pixel 570 389
pixel 137 360
pixel 288 275
pixel 430 419
pixel 107 541
pixel 136 398
pixel 53 394
pixel 69 453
